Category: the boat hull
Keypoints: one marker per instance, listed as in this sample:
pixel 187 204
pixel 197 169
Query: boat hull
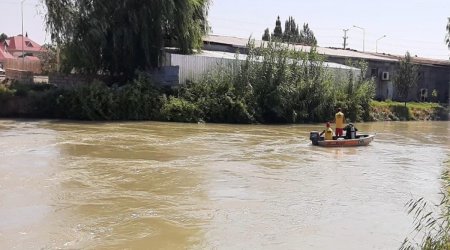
pixel 362 140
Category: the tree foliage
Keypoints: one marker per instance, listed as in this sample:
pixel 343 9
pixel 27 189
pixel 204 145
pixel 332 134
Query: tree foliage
pixel 447 35
pixel 119 37
pixel 291 33
pixel 278 31
pixel 406 77
pixel 307 36
pixel 3 37
pixel 266 35
pixel 48 59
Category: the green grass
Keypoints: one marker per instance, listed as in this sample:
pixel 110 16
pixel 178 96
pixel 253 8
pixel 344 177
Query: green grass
pixel 396 111
pixel 414 105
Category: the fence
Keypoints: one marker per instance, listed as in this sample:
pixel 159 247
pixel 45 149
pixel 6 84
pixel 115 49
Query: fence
pixel 193 67
pixel 20 75
pixel 25 65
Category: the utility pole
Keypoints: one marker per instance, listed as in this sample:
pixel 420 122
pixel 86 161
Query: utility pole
pixel 23 53
pixel 364 36
pixel 345 38
pixel 376 44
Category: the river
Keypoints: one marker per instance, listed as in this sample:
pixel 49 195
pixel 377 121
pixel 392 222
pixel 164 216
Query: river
pixel 148 185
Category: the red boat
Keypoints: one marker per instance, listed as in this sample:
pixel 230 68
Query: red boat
pixel 359 140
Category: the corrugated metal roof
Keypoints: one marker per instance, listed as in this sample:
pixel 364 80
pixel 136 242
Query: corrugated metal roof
pixel 337 52
pixel 227 55
pixel 419 60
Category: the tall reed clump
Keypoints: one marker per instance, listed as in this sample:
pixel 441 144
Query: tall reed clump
pixel 355 94
pixel 431 222
pixel 276 84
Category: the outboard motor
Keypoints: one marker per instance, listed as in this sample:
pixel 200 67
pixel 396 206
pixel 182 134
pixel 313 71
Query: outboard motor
pixel 314 137
pixel 352 133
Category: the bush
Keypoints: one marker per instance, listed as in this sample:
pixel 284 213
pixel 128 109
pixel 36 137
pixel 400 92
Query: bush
pixel 5 92
pixel 138 100
pixel 180 110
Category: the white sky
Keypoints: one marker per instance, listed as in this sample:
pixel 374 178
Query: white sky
pixel 417 26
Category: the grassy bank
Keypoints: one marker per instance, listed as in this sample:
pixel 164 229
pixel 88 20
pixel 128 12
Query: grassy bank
pixel 396 111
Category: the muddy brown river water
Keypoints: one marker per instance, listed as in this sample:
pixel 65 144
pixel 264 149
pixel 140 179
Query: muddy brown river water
pixel 148 185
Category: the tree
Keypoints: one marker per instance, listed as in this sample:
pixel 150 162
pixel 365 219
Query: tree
pixel 307 36
pixel 291 33
pixel 278 31
pixel 406 77
pixel 118 38
pixel 3 37
pixel 266 36
pixel 48 59
pixel 447 36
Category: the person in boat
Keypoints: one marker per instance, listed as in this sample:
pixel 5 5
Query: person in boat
pixel 328 132
pixel 350 131
pixel 339 119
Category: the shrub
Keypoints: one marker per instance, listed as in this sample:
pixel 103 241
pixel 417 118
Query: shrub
pixel 138 100
pixel 5 92
pixel 180 110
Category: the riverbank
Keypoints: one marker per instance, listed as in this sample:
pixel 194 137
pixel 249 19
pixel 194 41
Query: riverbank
pixel 22 107
pixel 140 100
pixel 414 111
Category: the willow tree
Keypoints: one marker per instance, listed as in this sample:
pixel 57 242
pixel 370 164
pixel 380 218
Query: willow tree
pixel 119 37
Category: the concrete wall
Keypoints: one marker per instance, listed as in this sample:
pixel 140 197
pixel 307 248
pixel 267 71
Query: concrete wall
pixel 166 76
pixel 431 77
pixel 435 78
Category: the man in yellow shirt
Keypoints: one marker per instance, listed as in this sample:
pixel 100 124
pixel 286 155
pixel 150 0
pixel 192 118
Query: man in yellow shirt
pixel 328 132
pixel 339 120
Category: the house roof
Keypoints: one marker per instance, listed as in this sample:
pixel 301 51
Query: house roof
pixel 336 52
pixel 5 55
pixel 15 44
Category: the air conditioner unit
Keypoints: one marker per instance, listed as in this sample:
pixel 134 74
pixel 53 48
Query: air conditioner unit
pixel 385 76
pixel 423 95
